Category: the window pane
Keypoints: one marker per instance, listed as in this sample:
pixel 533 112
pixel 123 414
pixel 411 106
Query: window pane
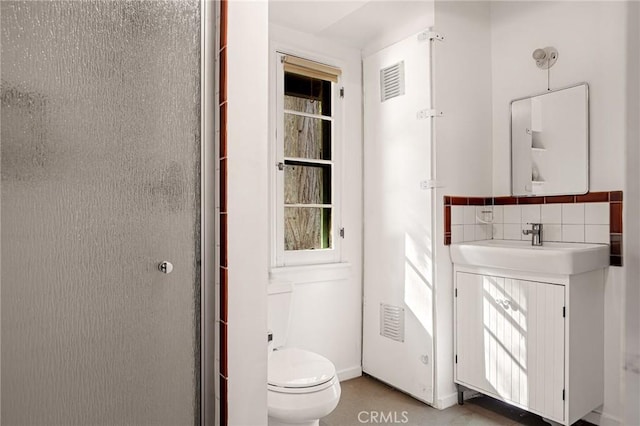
pixel 307 228
pixel 307 184
pixel 309 106
pixel 306 94
pixel 306 137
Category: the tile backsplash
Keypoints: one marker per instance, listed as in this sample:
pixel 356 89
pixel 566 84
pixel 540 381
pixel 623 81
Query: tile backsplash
pixel 471 223
pixel 595 217
pixel 583 222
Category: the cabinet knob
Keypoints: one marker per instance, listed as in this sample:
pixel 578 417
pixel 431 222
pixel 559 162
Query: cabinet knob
pixel 505 303
pixel 165 267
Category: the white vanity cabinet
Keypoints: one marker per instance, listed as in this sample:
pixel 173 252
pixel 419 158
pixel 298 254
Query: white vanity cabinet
pixel 533 340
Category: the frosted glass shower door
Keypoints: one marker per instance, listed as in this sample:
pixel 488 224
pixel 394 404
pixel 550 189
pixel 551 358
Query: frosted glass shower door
pixel 100 166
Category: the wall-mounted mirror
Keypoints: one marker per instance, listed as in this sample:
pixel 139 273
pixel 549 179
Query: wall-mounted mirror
pixel 550 143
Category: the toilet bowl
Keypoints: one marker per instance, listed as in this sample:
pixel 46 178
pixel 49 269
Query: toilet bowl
pixel 302 387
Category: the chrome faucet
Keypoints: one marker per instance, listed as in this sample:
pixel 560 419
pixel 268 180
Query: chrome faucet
pixel 535 232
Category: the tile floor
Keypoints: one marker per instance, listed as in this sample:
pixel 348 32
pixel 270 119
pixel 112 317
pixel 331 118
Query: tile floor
pixel 366 401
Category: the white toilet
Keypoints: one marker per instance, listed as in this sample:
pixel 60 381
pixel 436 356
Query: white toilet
pixel 302 385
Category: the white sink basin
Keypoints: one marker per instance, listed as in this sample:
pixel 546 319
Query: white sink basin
pixel 551 258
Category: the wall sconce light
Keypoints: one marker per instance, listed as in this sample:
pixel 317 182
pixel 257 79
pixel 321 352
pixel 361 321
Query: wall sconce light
pixel 545 58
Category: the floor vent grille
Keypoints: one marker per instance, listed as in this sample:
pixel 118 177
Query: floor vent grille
pixel 392 322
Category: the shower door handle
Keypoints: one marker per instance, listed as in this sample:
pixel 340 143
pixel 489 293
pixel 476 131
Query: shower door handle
pixel 165 267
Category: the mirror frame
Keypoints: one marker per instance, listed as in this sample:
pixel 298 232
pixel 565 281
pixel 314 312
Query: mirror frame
pixel 588 137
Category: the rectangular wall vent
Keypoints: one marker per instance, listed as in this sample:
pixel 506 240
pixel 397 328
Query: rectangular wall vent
pixel 392 81
pixel 392 322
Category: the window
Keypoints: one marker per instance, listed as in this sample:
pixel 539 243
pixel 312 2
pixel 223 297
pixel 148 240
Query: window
pixel 306 195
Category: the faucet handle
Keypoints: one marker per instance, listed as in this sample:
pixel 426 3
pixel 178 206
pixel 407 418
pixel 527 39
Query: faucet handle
pixel 535 232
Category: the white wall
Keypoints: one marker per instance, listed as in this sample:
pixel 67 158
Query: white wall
pixel 420 17
pixel 632 226
pixel 327 313
pixel 248 226
pixel 591 42
pixel 463 148
pixel 591 38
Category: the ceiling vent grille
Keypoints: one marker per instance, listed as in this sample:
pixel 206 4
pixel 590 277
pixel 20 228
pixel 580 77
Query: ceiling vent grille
pixel 392 322
pixel 392 81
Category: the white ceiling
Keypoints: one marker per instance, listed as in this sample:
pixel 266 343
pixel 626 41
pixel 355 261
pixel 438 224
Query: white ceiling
pixel 353 22
pixel 310 16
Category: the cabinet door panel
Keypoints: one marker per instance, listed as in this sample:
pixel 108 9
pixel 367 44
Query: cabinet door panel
pixel 473 348
pixel 510 340
pixel 546 347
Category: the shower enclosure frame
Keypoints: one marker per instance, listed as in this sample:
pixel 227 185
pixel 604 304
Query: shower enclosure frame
pixel 208 102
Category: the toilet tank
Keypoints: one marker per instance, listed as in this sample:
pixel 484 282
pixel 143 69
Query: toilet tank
pixel 280 295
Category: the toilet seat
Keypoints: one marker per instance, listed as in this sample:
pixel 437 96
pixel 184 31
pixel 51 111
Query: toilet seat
pixel 308 390
pixel 294 370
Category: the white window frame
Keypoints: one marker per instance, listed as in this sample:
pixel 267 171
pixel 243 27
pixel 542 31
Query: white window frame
pixel 280 256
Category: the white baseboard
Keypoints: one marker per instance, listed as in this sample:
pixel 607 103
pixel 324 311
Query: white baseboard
pixel 349 373
pixel 446 402
pixel 602 419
